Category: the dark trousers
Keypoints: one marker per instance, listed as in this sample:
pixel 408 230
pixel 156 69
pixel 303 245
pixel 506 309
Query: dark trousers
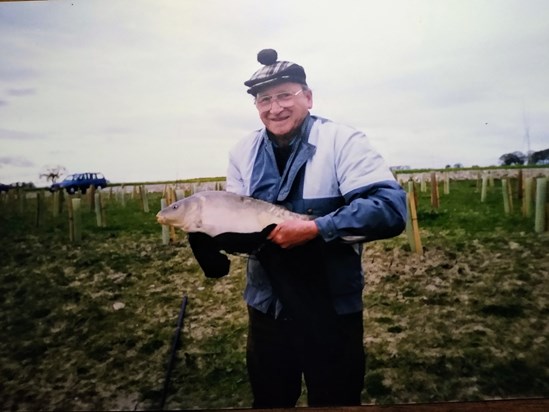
pixel 280 352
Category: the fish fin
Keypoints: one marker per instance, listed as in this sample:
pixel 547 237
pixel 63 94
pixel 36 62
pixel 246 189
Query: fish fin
pixel 206 251
pixel 247 243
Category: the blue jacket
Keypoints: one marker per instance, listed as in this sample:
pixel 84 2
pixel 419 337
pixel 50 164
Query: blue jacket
pixel 333 173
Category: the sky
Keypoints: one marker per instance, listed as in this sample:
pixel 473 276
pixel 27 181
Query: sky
pixel 144 90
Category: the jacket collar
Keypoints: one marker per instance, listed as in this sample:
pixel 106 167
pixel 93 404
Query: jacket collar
pixel 272 186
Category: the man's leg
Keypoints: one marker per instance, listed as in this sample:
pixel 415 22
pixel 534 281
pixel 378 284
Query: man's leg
pixel 274 360
pixel 335 363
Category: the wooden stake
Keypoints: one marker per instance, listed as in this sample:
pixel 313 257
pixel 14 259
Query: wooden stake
pixel 165 228
pixel 414 237
pixel 70 215
pixel 21 196
pixel 144 198
pixel 510 194
pixel 39 208
pixel 484 188
pixel 55 204
pixel 527 198
pixel 91 198
pixel 541 199
pixel 520 183
pixel 77 219
pixel 434 191
pixel 98 211
pixel 122 195
pixel 505 194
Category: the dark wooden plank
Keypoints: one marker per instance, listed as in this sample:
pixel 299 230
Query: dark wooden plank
pixel 503 405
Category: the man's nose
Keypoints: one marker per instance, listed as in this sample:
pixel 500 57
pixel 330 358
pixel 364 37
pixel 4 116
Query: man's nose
pixel 276 107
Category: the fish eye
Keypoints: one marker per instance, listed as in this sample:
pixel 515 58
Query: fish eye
pixel 175 206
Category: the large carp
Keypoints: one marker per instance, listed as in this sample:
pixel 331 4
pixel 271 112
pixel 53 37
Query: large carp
pixel 217 212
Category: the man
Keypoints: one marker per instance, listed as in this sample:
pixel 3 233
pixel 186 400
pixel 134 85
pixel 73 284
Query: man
pixel 312 166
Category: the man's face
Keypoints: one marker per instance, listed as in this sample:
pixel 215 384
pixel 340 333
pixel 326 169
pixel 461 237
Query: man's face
pixel 284 118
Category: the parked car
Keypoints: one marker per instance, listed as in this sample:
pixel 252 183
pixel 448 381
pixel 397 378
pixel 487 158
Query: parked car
pixel 80 181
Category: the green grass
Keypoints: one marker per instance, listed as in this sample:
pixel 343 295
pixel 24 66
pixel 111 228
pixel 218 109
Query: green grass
pixel 467 320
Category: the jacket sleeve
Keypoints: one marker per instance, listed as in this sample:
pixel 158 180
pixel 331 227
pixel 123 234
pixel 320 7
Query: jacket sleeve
pixel 234 179
pixel 375 211
pixel 375 204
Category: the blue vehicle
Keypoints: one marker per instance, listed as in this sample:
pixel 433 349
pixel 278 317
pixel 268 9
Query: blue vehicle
pixel 80 181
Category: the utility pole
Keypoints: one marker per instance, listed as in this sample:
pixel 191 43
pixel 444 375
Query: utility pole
pixel 526 136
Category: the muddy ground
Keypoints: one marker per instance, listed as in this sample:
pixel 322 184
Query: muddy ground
pixel 90 326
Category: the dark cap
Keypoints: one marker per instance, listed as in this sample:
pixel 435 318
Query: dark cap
pixel 274 72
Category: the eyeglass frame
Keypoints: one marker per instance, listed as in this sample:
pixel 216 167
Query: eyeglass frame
pixel 274 98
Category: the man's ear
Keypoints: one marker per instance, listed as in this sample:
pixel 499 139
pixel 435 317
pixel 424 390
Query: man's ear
pixel 309 95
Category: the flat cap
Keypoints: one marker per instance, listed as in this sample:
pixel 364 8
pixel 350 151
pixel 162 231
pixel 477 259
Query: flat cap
pixel 274 72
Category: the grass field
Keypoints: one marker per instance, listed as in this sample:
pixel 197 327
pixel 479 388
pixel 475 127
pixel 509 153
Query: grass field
pixel 89 325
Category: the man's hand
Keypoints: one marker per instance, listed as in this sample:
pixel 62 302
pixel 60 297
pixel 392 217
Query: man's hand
pixel 293 233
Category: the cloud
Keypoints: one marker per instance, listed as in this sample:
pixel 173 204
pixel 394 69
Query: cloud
pixel 21 92
pixel 79 85
pixel 15 161
pixel 8 134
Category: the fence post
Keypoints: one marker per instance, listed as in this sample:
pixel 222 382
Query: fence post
pixel 483 188
pixel 434 191
pixel 412 227
pixel 77 219
pixel 122 195
pixel 165 228
pixel 541 198
pixel 21 197
pixel 55 204
pixel 91 197
pixel 98 210
pixel 70 215
pixel 144 199
pixel 505 194
pixel 39 208
pixel 527 197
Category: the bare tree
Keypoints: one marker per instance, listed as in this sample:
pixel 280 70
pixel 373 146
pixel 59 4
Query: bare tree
pixel 52 173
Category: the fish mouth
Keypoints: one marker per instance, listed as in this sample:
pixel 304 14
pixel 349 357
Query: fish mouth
pixel 161 219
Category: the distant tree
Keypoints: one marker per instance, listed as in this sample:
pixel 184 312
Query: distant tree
pixel 540 158
pixel 52 173
pixel 515 158
pixel 458 166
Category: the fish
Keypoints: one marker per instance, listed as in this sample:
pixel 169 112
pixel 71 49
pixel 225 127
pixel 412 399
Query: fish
pixel 220 221
pixel 216 212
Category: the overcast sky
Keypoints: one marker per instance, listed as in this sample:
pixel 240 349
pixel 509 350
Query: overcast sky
pixel 153 90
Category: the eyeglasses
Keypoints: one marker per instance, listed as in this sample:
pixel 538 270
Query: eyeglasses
pixel 284 99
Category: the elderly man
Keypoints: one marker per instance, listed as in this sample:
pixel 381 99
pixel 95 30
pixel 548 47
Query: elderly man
pixel 313 166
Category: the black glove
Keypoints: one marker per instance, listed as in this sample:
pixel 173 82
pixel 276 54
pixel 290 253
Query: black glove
pixel 206 251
